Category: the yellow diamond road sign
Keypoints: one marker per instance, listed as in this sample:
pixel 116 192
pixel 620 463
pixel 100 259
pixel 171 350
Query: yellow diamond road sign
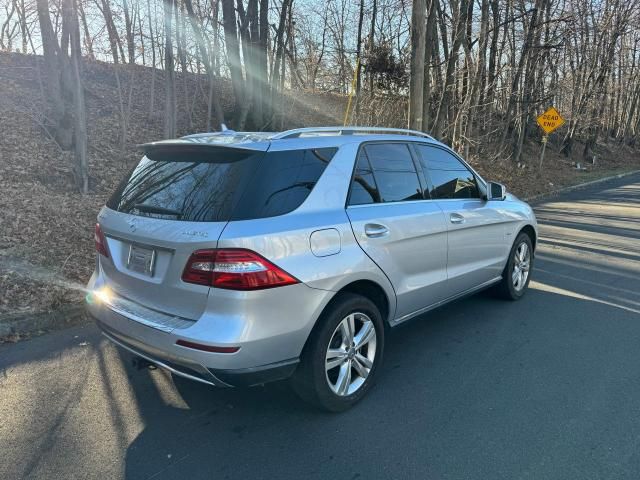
pixel 550 120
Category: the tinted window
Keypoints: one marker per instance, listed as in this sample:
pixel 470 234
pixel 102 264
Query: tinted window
pixel 199 191
pixel 228 184
pixel 449 177
pixel 282 181
pixel 363 185
pixel 394 172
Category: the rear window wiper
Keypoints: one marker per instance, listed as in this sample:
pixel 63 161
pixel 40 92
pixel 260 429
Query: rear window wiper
pixel 143 207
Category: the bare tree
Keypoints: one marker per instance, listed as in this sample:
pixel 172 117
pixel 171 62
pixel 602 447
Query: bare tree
pixel 206 55
pixel 53 57
pixel 418 43
pixel 474 73
pixel 80 113
pixel 170 83
pixel 233 59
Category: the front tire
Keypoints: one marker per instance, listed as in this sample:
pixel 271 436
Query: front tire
pixel 517 272
pixel 340 362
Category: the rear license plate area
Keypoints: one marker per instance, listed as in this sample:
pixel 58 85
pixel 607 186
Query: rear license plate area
pixel 141 260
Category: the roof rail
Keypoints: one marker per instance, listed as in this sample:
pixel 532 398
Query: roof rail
pixel 297 132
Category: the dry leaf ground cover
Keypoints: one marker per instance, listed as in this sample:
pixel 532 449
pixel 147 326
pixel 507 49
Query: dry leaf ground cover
pixel 46 228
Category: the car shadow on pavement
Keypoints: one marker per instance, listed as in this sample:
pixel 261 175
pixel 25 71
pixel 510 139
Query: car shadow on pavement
pixel 471 384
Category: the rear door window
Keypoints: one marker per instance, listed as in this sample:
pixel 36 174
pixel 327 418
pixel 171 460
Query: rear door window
pixel 228 184
pixel 394 172
pixel 363 186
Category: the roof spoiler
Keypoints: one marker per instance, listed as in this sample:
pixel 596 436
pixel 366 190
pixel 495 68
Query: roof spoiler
pixel 197 147
pixel 187 150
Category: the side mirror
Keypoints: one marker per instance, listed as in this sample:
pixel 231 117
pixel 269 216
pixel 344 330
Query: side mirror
pixel 496 191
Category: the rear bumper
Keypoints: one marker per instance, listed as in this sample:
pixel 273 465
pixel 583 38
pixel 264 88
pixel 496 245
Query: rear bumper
pixel 186 368
pixel 268 328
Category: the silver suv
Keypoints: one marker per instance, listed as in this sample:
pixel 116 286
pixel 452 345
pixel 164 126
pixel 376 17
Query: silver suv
pixel 241 258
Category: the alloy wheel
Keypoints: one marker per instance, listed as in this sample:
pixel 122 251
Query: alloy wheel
pixel 521 266
pixel 350 354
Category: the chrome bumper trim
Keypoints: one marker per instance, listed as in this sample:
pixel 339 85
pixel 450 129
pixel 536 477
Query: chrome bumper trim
pixel 146 316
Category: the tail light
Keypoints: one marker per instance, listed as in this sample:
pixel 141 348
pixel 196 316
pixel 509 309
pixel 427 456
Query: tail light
pixel 234 269
pixel 101 241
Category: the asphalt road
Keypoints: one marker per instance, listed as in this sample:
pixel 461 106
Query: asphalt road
pixel 545 388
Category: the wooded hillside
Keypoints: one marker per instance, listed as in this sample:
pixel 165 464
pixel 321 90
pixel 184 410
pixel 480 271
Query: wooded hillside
pixel 473 73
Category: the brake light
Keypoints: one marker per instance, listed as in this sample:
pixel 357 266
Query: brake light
pixel 101 241
pixel 234 269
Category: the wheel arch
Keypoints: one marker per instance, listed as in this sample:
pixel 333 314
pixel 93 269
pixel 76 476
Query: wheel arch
pixel 531 233
pixel 366 288
pixel 371 290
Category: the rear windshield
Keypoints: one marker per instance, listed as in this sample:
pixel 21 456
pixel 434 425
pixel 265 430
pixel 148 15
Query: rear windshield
pixel 220 186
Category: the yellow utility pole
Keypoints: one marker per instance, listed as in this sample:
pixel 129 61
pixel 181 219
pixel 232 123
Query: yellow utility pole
pixel 353 88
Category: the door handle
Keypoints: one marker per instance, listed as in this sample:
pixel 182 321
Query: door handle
pixel 375 230
pixel 456 218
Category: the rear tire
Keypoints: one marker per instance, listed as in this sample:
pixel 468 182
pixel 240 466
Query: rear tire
pixel 340 361
pixel 517 273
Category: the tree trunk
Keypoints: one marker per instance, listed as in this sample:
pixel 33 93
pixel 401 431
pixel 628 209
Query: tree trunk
pixel 416 85
pixel 143 50
pixel 24 29
pixel 277 72
pixel 88 42
pixel 80 113
pixel 359 62
pixel 493 50
pixel 262 64
pixel 129 32
pixel 447 93
pixel 529 86
pixel 513 93
pixel 182 57
pixel 114 39
pixel 372 34
pixel 252 59
pixel 247 54
pixel 152 88
pixel 207 60
pixel 55 66
pixel 233 55
pixel 431 47
pixel 170 88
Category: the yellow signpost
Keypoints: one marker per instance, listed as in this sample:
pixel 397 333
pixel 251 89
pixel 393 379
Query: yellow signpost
pixel 549 121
